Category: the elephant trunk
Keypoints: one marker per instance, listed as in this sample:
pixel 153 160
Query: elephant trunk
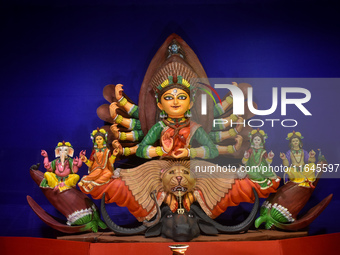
pixel 63 156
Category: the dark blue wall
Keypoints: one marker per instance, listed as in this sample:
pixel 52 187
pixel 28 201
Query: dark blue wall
pixel 58 56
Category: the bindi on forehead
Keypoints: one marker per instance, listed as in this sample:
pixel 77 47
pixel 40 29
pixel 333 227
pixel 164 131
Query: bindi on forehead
pixel 175 92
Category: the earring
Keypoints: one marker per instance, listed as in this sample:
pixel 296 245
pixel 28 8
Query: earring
pixel 163 114
pixel 187 114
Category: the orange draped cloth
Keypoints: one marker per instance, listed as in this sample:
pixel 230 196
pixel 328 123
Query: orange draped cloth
pixel 100 172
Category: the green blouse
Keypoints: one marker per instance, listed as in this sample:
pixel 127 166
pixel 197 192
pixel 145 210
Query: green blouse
pixel 154 135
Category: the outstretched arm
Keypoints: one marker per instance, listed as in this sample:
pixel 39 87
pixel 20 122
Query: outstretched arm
pixel 77 163
pixel 47 163
pixel 134 135
pixel 284 158
pixel 84 159
pixel 130 108
pixel 131 124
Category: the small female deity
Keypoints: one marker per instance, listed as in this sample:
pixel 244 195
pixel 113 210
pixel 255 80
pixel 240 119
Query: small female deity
pixel 257 161
pixel 300 163
pixel 100 163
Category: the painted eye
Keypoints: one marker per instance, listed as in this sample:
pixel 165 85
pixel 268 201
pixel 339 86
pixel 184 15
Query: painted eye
pixel 168 98
pixel 182 97
pixel 172 172
pixel 185 172
pixel 169 216
pixel 190 215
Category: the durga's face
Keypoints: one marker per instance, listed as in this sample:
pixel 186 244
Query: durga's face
pixel 175 102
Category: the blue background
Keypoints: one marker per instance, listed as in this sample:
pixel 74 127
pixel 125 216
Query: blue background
pixel 57 56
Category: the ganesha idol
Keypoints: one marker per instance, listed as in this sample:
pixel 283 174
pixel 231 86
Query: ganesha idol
pixel 58 185
pixel 61 172
pixel 166 194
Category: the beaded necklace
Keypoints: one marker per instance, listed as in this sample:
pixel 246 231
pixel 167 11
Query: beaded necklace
pixel 297 152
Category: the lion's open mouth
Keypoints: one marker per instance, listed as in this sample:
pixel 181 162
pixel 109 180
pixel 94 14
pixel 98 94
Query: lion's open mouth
pixel 179 188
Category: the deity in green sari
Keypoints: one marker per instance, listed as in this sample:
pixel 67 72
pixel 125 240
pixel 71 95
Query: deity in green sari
pixel 257 161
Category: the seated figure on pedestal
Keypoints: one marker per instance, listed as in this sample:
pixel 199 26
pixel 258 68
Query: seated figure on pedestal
pixel 300 163
pixel 61 172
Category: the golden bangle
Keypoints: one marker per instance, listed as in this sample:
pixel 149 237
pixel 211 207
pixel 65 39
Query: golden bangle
pixel 159 151
pixel 127 151
pixel 245 159
pixel 230 149
pixel 123 136
pixel 229 100
pixel 119 119
pixel 193 153
pixel 233 117
pixel 232 132
pixel 123 101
